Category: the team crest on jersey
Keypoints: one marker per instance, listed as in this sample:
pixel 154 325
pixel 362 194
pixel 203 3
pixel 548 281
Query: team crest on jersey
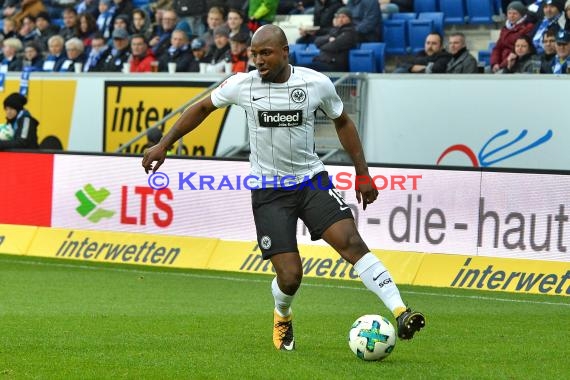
pixel 298 95
pixel 265 242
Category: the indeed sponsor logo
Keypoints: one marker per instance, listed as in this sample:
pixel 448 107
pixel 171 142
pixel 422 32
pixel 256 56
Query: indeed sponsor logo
pixel 271 119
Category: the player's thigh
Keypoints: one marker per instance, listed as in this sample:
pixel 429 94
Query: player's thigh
pixel 275 215
pixel 322 206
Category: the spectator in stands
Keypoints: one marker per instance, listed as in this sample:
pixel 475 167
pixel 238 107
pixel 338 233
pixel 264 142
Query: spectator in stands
pixel 552 20
pixel 549 45
pixel 238 52
pixel 522 59
pixel 192 11
pixel 199 55
pixel 516 25
pixel 261 12
pixel 219 53
pixel 141 55
pixel 367 19
pixel 560 63
pixel 121 22
pixel 56 55
pixel 334 47
pixel 390 7
pixel 99 48
pixel 10 8
pixel 462 62
pixel 161 40
pixel 9 29
pixel 70 24
pixel 75 51
pixel 141 23
pixel 236 23
pixel 10 60
pixel 178 52
pixel 105 18
pixel 214 20
pixel 87 28
pixel 119 54
pixel 433 60
pixel 24 125
pixel 322 21
pixel 45 29
pixel 28 31
pixel 28 8
pixel 123 7
pixel 33 59
pixel 88 6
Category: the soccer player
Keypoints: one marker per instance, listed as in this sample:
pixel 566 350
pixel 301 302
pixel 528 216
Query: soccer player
pixel 280 101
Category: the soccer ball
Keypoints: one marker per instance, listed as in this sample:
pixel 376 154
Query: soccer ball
pixel 372 337
pixel 6 132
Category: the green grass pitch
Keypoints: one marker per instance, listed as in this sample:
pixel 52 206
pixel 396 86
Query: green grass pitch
pixel 66 320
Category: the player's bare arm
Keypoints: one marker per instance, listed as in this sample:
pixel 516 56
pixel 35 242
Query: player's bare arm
pixel 348 136
pixel 191 118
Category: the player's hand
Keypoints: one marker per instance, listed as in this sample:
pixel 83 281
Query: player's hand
pixel 155 153
pixel 366 193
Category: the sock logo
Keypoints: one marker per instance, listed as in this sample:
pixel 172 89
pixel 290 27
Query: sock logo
pixel 378 276
pixel 387 281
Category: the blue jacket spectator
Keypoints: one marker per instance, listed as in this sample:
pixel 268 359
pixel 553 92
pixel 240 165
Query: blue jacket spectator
pixel 367 19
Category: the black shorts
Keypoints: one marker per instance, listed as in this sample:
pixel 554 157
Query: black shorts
pixel 276 211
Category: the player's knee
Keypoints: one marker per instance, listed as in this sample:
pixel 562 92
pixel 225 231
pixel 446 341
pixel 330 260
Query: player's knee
pixel 352 242
pixel 289 281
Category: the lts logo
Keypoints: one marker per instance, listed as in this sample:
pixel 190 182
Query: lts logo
pixel 140 205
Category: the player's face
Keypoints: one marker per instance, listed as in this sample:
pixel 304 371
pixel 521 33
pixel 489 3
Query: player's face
pixel 270 59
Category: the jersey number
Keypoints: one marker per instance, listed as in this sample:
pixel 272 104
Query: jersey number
pixel 336 195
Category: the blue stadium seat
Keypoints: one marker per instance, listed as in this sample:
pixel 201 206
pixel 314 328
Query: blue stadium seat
pixel 480 11
pixel 425 6
pixel 57 21
pixel 305 57
pixel 361 61
pixel 404 16
pixel 395 37
pixel 417 32
pixel 379 49
pixel 453 10
pixel 140 3
pixel 312 47
pixel 484 56
pixel 436 17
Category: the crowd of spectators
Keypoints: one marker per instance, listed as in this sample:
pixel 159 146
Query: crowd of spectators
pixel 214 35
pixel 115 36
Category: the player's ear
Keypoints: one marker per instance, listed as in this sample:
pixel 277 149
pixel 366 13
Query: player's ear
pixel 286 49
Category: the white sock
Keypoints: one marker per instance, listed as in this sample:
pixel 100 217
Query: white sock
pixel 376 278
pixel 282 300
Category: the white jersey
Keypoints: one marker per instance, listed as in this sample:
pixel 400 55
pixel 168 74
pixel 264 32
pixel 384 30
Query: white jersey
pixel 281 119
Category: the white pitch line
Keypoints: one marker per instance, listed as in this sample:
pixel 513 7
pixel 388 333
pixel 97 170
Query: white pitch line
pixel 240 279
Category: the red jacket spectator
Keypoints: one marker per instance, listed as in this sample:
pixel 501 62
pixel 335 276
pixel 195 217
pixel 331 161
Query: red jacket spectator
pixel 142 56
pixel 516 26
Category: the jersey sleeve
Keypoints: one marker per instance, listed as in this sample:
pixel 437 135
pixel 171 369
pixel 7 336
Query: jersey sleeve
pixel 331 104
pixel 228 92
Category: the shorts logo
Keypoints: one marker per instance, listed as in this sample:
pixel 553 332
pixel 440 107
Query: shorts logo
pixel 265 242
pixel 272 119
pixel 298 95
